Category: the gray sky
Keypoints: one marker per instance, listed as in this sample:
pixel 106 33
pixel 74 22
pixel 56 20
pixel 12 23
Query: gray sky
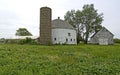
pixel 25 13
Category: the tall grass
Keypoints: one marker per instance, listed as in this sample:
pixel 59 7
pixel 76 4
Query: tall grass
pixel 59 60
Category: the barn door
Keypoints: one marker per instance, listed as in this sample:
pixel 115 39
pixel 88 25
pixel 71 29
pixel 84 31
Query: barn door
pixel 103 41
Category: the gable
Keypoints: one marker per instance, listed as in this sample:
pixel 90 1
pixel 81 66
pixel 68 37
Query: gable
pixel 103 33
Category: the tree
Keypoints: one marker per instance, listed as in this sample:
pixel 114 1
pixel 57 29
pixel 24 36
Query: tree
pixel 87 21
pixel 72 17
pixel 23 32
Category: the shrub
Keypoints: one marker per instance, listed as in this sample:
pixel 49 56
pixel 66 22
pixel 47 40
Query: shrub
pixel 27 41
pixel 116 40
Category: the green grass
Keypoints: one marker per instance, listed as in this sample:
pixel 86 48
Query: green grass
pixel 59 60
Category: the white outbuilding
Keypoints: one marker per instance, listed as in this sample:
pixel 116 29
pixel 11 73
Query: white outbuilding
pixel 63 32
pixel 102 37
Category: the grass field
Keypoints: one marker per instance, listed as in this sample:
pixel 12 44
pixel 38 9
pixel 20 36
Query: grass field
pixel 59 60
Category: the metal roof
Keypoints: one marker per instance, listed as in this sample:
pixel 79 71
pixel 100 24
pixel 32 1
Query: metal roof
pixel 101 31
pixel 58 23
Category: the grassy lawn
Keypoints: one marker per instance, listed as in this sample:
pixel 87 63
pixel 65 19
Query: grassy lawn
pixel 59 59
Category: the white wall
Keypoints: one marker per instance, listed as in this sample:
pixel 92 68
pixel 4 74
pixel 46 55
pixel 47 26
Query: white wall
pixel 62 34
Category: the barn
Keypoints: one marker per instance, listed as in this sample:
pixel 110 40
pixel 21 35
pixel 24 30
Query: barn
pixel 63 32
pixel 102 37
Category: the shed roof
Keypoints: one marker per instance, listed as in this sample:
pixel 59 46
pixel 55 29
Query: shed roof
pixel 58 23
pixel 103 28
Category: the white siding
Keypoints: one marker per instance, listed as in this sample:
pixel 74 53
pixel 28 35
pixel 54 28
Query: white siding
pixel 103 41
pixel 64 36
pixel 103 37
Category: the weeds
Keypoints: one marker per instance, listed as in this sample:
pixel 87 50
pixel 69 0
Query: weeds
pixel 59 60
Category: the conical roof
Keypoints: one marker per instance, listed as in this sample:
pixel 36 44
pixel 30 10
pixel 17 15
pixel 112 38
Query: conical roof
pixel 58 23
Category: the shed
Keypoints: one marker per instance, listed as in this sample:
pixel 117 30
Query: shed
pixel 102 37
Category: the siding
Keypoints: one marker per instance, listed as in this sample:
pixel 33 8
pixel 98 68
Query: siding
pixel 64 36
pixel 103 37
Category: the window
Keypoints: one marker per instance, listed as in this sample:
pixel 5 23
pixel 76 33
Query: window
pixel 55 39
pixel 71 39
pixel 74 39
pixel 66 40
pixel 69 34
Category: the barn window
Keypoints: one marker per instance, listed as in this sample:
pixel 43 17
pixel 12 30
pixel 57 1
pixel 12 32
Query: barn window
pixel 71 39
pixel 55 39
pixel 74 39
pixel 66 40
pixel 69 34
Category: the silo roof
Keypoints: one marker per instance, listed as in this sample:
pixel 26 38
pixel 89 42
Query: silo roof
pixel 58 23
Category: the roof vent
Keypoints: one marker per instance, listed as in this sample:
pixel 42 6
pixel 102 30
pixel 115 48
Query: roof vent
pixel 58 18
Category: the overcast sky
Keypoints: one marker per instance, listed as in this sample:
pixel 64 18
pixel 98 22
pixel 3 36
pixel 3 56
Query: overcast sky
pixel 25 13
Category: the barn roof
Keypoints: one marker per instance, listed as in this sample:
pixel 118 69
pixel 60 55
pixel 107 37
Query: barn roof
pixel 58 23
pixel 103 28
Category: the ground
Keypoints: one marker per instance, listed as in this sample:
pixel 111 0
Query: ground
pixel 59 59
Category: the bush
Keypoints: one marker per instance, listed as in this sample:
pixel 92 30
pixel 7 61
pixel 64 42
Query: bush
pixel 116 40
pixel 27 41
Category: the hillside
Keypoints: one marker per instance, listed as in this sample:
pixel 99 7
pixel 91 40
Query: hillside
pixel 59 60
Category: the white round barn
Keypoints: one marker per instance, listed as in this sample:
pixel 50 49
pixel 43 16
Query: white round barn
pixel 63 32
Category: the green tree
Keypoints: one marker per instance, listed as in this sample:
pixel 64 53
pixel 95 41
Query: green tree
pixel 23 32
pixel 70 17
pixel 73 18
pixel 91 19
pixel 87 21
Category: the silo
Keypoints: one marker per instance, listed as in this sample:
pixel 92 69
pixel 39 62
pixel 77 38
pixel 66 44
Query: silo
pixel 45 25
